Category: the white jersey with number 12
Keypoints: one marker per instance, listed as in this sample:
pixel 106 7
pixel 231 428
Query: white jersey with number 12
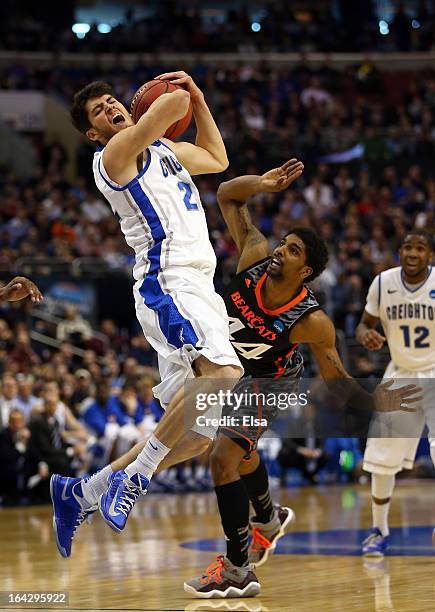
pixel 407 315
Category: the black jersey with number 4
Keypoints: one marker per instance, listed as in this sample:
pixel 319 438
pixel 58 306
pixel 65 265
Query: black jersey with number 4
pixel 261 336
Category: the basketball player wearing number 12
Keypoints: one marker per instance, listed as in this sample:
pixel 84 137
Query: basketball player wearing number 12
pixel 403 300
pixel 147 181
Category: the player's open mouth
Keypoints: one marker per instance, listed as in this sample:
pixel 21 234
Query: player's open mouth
pixel 275 264
pixel 118 118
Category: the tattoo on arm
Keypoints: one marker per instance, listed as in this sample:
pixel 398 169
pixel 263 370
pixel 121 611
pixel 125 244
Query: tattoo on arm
pixel 338 366
pixel 253 235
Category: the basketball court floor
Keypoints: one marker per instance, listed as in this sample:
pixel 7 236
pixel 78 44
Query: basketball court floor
pixel 170 538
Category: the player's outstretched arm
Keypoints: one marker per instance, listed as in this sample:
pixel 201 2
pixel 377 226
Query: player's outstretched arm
pixel 232 196
pixel 208 154
pixel 317 330
pixel 366 333
pixel 123 149
pixel 18 289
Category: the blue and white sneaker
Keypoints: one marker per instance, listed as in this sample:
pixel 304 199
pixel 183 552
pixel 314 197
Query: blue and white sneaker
pixel 375 544
pixel 118 501
pixel 68 511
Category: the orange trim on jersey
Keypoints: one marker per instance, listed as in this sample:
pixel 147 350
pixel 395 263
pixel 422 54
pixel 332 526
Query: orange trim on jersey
pixel 281 309
pixel 292 350
pixel 278 362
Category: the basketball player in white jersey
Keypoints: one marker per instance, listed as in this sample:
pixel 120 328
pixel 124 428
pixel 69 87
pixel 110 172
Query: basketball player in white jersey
pixel 403 300
pixel 147 181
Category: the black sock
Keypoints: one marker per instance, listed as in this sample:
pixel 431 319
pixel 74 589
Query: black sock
pixel 257 485
pixel 233 503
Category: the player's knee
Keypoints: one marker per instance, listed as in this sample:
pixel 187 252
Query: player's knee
pixel 223 466
pixel 231 371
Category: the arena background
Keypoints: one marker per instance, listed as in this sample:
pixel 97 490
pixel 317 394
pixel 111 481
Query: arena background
pixel 347 87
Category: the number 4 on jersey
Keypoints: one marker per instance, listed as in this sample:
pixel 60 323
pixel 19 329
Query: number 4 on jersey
pixel 248 350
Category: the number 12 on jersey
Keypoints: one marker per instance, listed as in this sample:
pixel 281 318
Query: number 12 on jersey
pixel 420 334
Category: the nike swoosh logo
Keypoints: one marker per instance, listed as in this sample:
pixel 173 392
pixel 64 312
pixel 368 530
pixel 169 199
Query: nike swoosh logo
pixel 392 290
pixel 63 496
pixel 112 508
pixel 154 447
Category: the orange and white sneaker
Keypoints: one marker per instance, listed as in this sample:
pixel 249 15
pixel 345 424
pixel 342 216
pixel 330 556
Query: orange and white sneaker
pixel 266 535
pixel 223 579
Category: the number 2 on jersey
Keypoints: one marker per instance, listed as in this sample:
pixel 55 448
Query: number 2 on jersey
pixel 420 333
pixel 190 205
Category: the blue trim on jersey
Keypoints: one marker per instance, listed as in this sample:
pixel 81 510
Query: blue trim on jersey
pixel 379 290
pixel 176 329
pixel 420 286
pixel 128 186
pixel 159 143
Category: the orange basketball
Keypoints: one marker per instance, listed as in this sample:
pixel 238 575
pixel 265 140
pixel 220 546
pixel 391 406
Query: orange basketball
pixel 145 96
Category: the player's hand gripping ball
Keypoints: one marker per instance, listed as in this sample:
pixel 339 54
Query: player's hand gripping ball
pixel 145 96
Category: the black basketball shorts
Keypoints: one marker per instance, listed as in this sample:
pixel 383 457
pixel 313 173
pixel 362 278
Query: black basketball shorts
pixel 255 404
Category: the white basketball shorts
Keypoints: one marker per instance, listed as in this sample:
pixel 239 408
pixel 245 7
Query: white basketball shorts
pixel 389 455
pixel 183 317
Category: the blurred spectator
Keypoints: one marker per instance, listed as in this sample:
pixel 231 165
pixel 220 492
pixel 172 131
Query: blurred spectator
pixel 23 354
pixel 74 329
pixel 47 441
pixel 112 422
pixel 18 463
pixel 303 454
pixel 319 197
pixel 8 398
pixel 26 401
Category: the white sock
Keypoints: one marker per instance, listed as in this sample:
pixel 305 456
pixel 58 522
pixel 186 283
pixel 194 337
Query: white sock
pixel 432 449
pixel 96 486
pixel 382 488
pixel 148 459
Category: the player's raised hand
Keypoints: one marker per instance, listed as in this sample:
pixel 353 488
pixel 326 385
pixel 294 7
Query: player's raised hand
pixel 20 288
pixel 180 77
pixel 280 178
pixel 372 340
pixel 392 400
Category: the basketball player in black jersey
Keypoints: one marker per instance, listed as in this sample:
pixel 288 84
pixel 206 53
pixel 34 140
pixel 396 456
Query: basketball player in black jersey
pixel 271 311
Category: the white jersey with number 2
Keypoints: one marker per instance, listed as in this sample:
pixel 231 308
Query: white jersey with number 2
pixel 160 213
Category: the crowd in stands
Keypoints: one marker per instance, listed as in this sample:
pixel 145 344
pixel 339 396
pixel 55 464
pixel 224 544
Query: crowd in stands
pixel 281 27
pixel 60 409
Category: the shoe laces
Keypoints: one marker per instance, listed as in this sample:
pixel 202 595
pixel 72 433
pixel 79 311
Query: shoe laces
pixel 82 516
pixel 129 496
pixel 259 541
pixel 214 571
pixel 372 538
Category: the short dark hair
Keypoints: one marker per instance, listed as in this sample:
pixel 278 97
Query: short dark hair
pixel 424 233
pixel 78 111
pixel 316 250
